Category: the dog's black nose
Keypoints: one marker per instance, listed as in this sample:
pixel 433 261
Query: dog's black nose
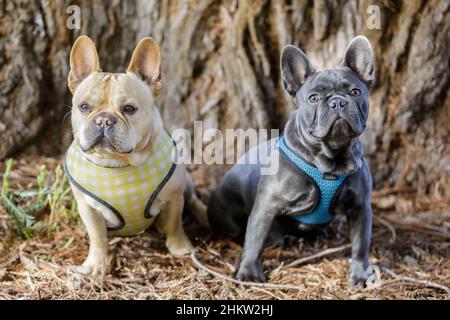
pixel 105 120
pixel 337 102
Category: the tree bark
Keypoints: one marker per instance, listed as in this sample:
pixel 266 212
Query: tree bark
pixel 220 64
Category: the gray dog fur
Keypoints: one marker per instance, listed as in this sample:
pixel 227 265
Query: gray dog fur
pixel 324 131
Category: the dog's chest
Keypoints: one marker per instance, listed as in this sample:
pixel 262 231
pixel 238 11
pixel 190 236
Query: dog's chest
pixel 129 193
pixel 321 212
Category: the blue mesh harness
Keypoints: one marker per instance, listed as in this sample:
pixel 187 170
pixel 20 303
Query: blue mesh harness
pixel 321 213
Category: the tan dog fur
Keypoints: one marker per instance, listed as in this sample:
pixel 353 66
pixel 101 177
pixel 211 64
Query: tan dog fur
pixel 107 93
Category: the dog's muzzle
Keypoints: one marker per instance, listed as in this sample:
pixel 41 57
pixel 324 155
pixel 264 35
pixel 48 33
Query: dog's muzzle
pixel 101 132
pixel 338 118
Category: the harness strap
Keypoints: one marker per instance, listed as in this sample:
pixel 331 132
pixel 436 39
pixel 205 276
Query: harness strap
pixel 321 213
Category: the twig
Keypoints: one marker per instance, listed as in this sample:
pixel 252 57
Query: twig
pixel 427 283
pixel 244 283
pixel 268 293
pixel 419 228
pixel 389 226
pixel 318 255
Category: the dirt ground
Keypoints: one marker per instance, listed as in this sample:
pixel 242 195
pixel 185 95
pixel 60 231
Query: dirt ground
pixel 410 246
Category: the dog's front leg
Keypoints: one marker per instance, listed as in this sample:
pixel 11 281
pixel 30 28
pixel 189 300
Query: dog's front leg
pixel 97 259
pixel 250 267
pixel 176 240
pixel 360 223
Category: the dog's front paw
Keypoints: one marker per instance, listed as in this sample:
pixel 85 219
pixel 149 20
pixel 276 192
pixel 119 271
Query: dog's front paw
pixel 358 280
pixel 358 275
pixel 179 246
pixel 93 266
pixel 251 272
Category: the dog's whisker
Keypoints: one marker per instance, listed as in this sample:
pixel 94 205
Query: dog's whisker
pixel 65 116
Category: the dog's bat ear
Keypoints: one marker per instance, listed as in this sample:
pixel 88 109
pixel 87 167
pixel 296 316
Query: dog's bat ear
pixel 295 68
pixel 83 61
pixel 359 58
pixel 145 62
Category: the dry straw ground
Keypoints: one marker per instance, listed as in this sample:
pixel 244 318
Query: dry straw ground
pixel 410 246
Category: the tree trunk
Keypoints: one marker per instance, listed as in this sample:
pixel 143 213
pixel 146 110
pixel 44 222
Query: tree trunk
pixel 221 65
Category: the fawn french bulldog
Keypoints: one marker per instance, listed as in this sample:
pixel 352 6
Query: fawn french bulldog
pixel 321 171
pixel 119 165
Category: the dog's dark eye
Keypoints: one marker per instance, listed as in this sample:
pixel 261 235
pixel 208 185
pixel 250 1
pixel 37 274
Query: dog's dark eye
pixel 84 107
pixel 313 98
pixel 355 92
pixel 128 108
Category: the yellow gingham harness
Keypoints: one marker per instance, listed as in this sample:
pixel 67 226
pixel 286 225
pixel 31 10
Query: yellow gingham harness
pixel 127 191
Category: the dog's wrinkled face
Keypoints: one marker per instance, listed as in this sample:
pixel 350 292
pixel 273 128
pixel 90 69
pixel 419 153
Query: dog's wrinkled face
pixel 333 103
pixel 113 113
pixel 334 106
